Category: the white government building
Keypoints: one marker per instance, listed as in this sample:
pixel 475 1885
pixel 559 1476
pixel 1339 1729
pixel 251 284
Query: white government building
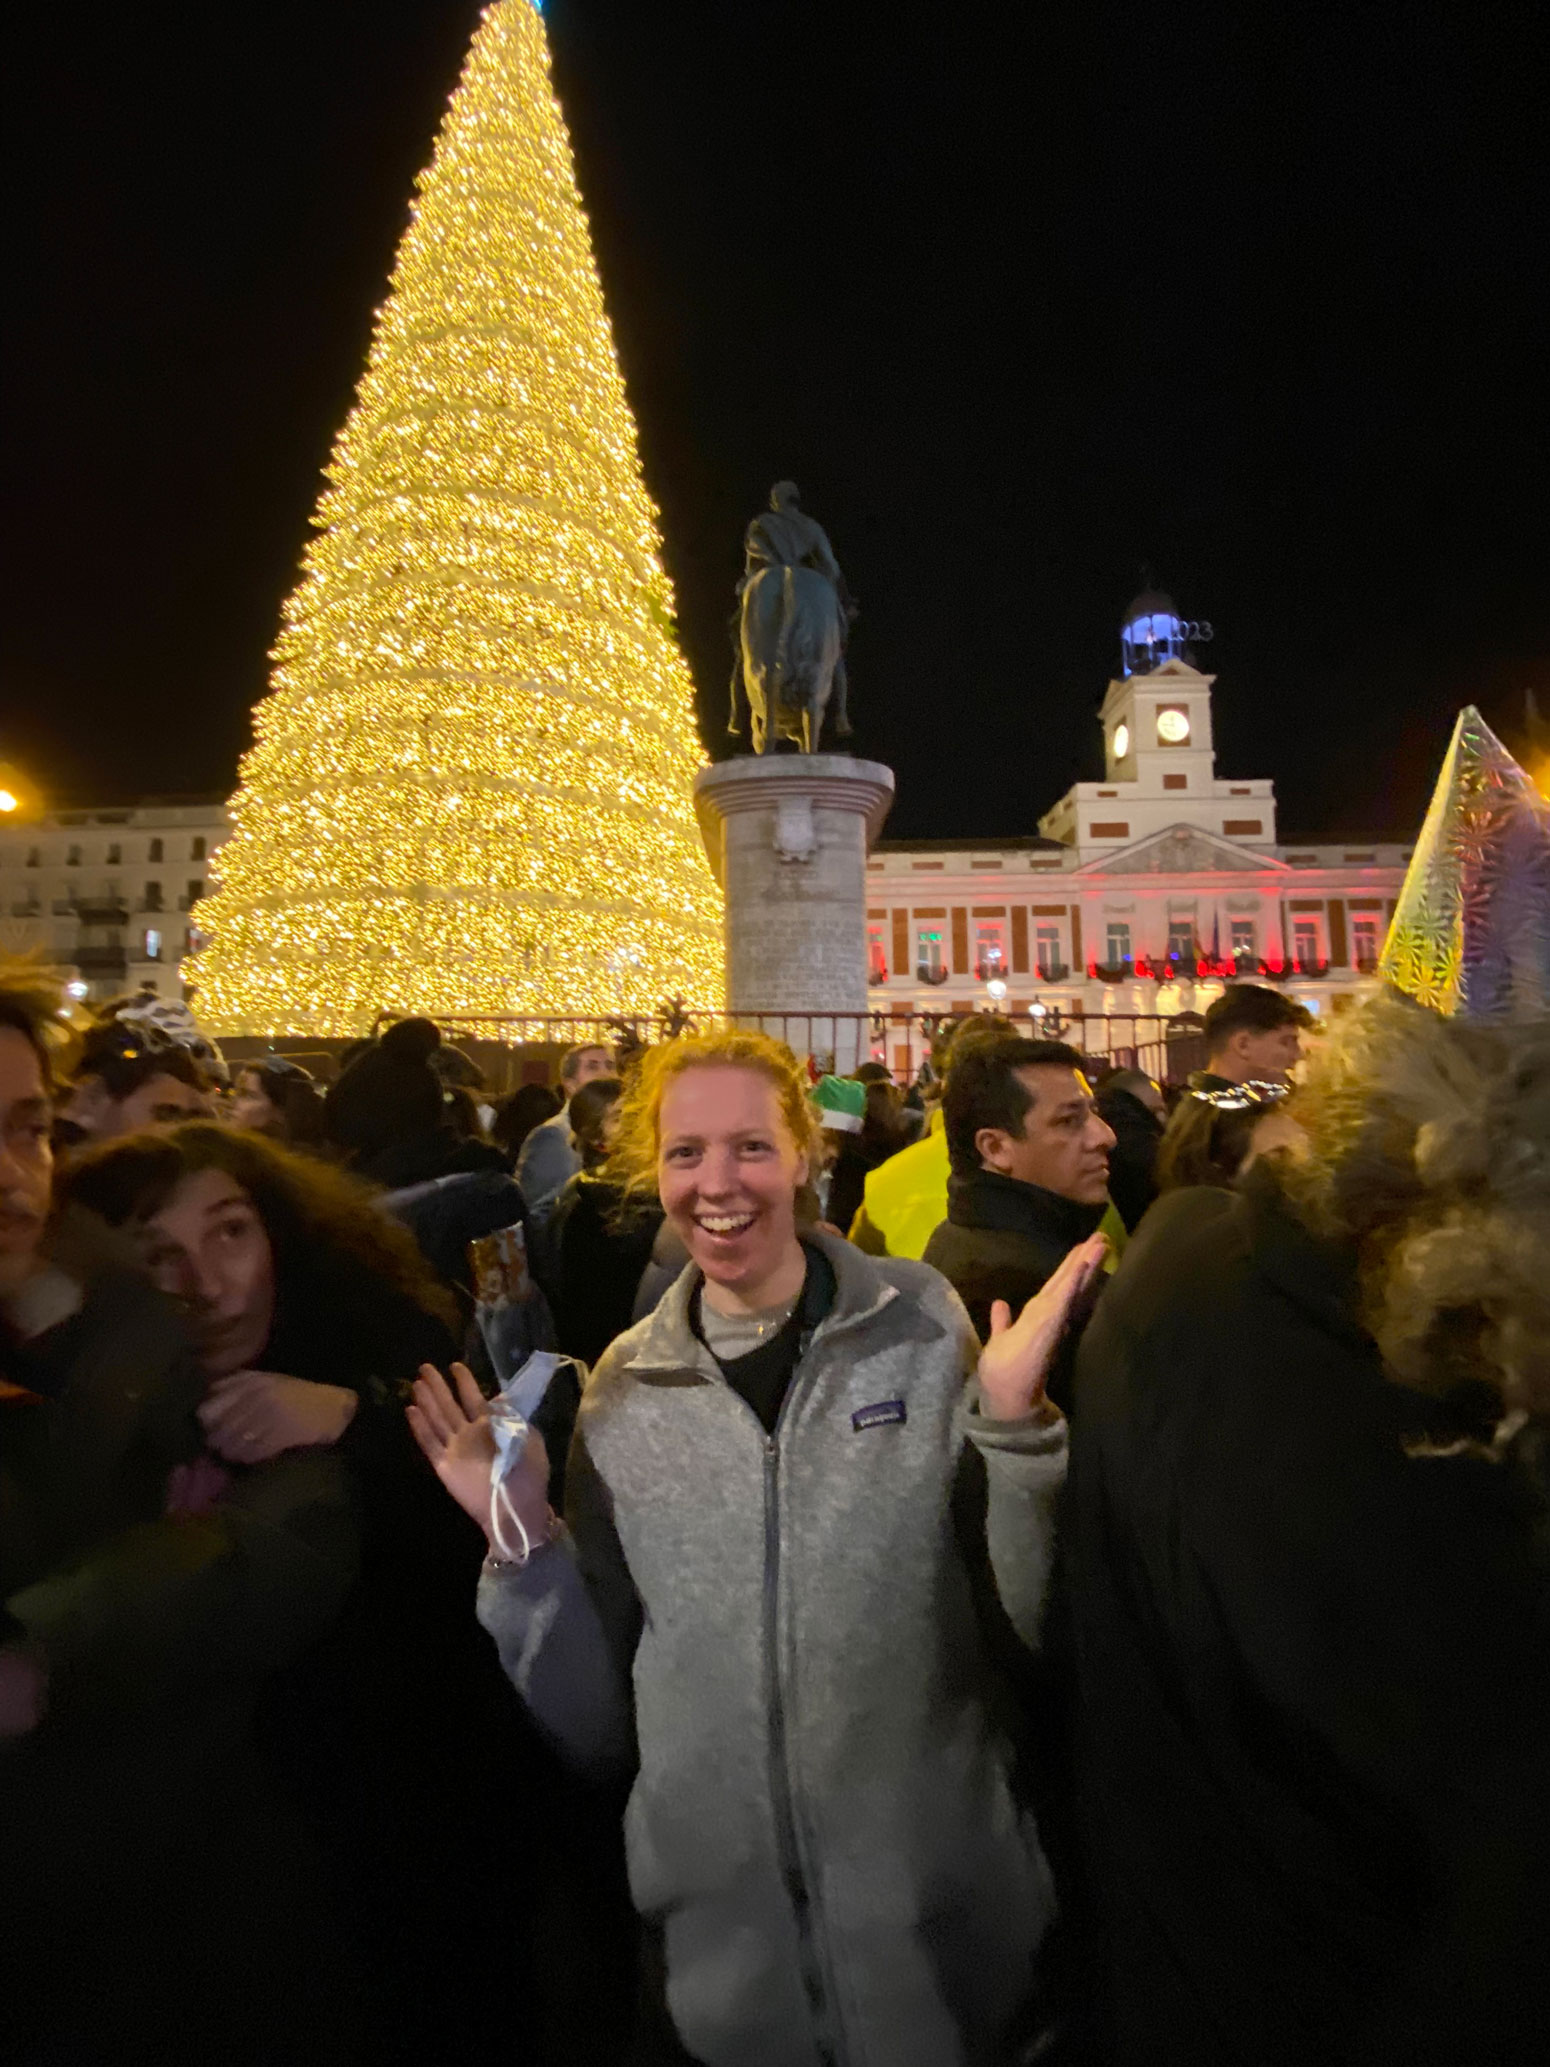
pixel 1143 893
pixel 1139 896
pixel 109 896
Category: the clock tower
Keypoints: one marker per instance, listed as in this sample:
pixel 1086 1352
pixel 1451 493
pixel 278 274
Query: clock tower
pixel 1158 754
pixel 1157 713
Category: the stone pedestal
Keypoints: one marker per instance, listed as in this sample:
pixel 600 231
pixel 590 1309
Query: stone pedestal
pixel 787 836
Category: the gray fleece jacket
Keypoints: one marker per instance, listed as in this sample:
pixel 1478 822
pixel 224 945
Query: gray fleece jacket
pixel 791 1630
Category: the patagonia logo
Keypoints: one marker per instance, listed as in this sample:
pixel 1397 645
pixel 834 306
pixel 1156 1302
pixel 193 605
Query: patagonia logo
pixel 880 1416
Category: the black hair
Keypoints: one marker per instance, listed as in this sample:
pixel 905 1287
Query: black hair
pixel 984 1090
pixel 589 1106
pixel 516 1117
pixel 1205 1143
pixel 30 1005
pixel 293 1094
pixel 1250 1008
pixel 387 1093
pixel 125 1059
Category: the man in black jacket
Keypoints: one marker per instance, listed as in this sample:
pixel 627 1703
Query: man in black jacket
pixel 1030 1173
pixel 1253 1035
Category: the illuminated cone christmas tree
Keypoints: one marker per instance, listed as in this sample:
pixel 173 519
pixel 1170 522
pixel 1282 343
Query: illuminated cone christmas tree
pixel 470 787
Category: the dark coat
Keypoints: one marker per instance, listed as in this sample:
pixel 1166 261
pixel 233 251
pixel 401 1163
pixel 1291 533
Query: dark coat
pixel 596 1253
pixel 148 1852
pixel 1312 1672
pixel 1133 1159
pixel 1004 1240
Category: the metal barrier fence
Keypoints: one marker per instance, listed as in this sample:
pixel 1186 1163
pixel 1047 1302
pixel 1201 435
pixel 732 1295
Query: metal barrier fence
pixel 511 1049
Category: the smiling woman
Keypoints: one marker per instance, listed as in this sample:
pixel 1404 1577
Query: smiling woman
pixel 788 1488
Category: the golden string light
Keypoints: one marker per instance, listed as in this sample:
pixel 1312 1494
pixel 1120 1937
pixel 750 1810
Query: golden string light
pixel 470 787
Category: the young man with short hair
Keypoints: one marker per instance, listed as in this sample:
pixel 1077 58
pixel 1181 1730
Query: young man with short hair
pixel 549 1159
pixel 1253 1035
pixel 128 1079
pixel 1030 1172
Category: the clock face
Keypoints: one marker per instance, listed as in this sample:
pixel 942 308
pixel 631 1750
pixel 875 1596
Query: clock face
pixel 1172 726
pixel 1121 741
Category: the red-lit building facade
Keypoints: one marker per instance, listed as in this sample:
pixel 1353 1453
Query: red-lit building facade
pixel 1142 893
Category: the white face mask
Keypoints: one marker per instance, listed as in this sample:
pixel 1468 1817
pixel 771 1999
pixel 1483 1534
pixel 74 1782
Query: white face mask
pixel 510 1414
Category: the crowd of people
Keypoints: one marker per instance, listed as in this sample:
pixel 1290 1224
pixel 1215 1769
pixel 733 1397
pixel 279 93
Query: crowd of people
pixel 1037 1565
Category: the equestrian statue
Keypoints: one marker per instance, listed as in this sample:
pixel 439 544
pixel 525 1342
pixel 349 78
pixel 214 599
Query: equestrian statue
pixel 789 629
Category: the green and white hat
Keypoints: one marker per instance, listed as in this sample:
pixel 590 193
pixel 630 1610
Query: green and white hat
pixel 841 1104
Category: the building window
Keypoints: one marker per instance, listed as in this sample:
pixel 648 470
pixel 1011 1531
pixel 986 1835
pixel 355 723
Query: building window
pixel 1244 945
pixel 989 951
pixel 1305 943
pixel 115 855
pixel 152 944
pixel 196 850
pixel 34 858
pixel 154 853
pixel 1119 942
pixel 72 857
pixel 1181 940
pixel 1047 957
pixel 930 963
pixel 196 890
pixel 1364 944
pixel 876 955
pixel 153 896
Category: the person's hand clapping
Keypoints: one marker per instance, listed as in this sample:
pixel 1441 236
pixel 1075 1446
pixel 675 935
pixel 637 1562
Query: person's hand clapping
pixel 1015 1362
pixel 454 1432
pixel 254 1415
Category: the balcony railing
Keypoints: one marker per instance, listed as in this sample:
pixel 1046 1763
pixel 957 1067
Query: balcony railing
pixel 101 911
pixel 101 961
pixel 924 973
pixel 1051 972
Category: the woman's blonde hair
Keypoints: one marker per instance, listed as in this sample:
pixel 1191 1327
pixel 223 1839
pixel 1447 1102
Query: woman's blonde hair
pixel 633 1163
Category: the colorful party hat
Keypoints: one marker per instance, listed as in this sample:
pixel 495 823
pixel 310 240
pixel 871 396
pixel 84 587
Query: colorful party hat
pixel 1471 931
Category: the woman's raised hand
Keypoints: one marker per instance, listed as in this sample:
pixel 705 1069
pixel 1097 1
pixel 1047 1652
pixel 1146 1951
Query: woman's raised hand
pixel 1015 1362
pixel 454 1432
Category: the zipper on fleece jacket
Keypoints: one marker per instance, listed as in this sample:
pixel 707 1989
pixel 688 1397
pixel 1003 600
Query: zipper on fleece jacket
pixel 786 1838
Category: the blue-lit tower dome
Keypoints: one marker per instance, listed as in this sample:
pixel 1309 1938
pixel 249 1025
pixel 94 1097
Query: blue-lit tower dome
pixel 1153 632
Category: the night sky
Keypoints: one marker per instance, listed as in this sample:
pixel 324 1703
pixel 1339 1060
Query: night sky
pixel 1022 297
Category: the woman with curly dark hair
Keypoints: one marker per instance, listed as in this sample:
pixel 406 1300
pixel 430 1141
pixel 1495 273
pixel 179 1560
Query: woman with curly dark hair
pixel 287 1273
pixel 308 1309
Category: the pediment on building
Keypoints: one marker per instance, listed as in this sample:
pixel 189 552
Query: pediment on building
pixel 1182 850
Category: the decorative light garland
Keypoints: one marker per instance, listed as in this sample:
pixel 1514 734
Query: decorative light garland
pixel 470 788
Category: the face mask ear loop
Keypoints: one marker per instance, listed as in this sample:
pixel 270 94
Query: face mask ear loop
pixel 500 1498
